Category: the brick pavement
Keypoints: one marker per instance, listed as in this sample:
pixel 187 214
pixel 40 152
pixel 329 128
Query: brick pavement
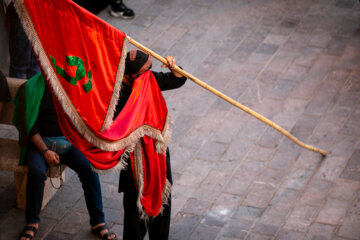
pixel 296 62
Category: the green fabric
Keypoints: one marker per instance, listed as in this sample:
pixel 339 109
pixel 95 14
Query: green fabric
pixel 34 91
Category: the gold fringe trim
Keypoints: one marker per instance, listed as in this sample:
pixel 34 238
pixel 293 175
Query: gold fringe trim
pixel 117 89
pixel 139 177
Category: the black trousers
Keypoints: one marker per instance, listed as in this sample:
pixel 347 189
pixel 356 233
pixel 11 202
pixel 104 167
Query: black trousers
pixel 134 227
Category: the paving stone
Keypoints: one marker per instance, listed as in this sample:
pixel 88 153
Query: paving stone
pixel 259 58
pixel 300 218
pixel 333 211
pixel 349 58
pixel 239 148
pixel 259 195
pixel 58 236
pixel 285 156
pixel 281 89
pixel 320 231
pixel 327 129
pixel 267 49
pixel 205 232
pixel 294 73
pixel 278 209
pixel 216 180
pixel 289 235
pixel 236 228
pixel 196 172
pixel 212 151
pixel 201 191
pixel 179 195
pixel 353 167
pixel 261 153
pixel 85 233
pixel 12 224
pixel 6 178
pixel 210 122
pixel 248 213
pixel 56 209
pixel 296 42
pixel 271 20
pixel 226 205
pixel 227 131
pixel 346 3
pixel 281 60
pixel 271 176
pixel 181 158
pixel 291 111
pixel 314 78
pixel 347 228
pixel 195 206
pixel 345 189
pixel 213 219
pixel 331 168
pixel 270 139
pixel 238 186
pixel 307 56
pixel 309 160
pixel 195 139
pixel 336 46
pixel 305 126
pixel 297 178
pixel 355 207
pixel 309 23
pixel 114 201
pixel 315 192
pixel 72 223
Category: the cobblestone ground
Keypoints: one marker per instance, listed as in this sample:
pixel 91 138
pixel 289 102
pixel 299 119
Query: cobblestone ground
pixel 297 62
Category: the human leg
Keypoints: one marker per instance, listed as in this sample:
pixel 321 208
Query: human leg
pixel 159 227
pixel 134 227
pixel 120 10
pixel 36 177
pixel 92 191
pixel 90 183
pixel 22 59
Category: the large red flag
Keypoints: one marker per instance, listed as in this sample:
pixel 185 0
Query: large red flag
pixel 82 59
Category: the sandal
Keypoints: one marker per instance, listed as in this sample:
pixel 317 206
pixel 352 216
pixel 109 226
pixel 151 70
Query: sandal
pixel 27 229
pixel 97 231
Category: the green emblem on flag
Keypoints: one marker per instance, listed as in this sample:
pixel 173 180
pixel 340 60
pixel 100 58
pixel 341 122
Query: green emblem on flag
pixel 80 71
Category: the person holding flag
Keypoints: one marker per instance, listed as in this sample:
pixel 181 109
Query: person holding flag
pixel 138 215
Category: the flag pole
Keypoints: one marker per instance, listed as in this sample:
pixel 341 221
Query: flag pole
pixel 228 99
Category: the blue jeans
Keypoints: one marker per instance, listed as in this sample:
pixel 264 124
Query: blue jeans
pixel 22 59
pixel 36 179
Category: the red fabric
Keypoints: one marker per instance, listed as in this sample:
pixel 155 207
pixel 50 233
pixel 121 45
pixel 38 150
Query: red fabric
pixel 145 107
pixel 154 176
pixel 65 29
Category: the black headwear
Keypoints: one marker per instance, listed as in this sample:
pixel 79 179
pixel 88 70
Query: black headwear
pixel 137 61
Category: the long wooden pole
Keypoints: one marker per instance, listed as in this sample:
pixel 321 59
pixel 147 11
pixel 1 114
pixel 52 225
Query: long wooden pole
pixel 228 99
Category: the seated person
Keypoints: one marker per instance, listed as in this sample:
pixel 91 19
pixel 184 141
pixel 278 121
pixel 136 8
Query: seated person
pixel 46 146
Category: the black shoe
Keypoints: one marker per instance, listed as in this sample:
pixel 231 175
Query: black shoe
pixel 120 10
